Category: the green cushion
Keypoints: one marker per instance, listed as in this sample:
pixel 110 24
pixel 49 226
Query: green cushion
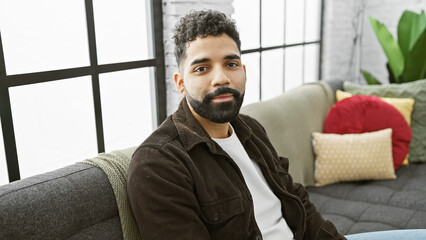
pixel 416 90
pixel 289 120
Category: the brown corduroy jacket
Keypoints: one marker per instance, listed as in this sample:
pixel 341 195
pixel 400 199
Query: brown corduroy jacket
pixel 182 185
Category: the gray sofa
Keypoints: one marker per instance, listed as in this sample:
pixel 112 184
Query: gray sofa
pixel 80 201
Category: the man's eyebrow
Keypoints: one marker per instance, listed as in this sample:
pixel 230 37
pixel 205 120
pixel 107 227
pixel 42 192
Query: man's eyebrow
pixel 202 60
pixel 232 56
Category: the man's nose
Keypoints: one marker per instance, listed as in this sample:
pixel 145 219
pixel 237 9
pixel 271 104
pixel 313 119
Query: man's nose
pixel 220 78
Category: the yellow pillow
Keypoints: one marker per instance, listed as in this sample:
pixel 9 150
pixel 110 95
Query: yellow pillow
pixel 353 157
pixel 403 105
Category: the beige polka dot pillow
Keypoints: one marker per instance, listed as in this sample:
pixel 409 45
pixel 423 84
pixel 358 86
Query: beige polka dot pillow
pixel 353 157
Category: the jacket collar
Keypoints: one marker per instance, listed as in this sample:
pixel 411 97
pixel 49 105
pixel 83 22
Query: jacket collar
pixel 192 133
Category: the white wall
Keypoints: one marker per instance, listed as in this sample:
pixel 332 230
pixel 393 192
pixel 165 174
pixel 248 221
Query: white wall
pixel 349 42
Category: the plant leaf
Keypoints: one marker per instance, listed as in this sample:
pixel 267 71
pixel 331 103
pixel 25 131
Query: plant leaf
pixel 411 25
pixel 391 77
pixel 371 80
pixel 415 62
pixel 390 46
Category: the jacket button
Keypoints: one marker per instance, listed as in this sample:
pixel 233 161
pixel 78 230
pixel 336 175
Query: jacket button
pixel 216 216
pixel 249 197
pixel 258 237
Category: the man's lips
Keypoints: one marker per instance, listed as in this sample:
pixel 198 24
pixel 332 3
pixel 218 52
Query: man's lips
pixel 223 97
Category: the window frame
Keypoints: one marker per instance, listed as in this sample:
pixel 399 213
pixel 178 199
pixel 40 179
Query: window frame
pixel 284 46
pixel 157 62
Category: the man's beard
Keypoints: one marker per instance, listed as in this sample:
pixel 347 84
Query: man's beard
pixel 221 112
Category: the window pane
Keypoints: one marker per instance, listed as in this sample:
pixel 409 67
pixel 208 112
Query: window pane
pixel 313 20
pixel 272 73
pixel 4 176
pixel 311 62
pixel 43 35
pixel 54 124
pixel 121 30
pixel 246 14
pixel 126 108
pixel 272 23
pixel 293 67
pixel 294 21
pixel 252 85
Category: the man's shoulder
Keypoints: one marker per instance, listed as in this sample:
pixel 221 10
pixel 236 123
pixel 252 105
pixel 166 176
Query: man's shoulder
pixel 163 144
pixel 246 118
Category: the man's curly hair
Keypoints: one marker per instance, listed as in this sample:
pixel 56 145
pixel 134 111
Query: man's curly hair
pixel 202 24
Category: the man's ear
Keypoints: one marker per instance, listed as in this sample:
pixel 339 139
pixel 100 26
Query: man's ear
pixel 178 77
pixel 245 72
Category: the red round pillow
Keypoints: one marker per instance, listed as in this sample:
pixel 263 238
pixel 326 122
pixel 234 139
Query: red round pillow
pixel 359 114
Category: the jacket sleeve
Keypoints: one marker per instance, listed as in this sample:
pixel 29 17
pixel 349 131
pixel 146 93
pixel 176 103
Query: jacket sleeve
pixel 161 196
pixel 316 227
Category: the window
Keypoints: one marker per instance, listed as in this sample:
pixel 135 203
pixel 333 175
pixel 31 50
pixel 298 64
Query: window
pixel 280 44
pixel 4 176
pixel 54 124
pixel 128 118
pixel 77 78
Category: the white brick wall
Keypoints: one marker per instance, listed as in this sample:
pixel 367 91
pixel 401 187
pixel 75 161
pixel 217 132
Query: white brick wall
pixel 173 10
pixel 340 34
pixel 350 43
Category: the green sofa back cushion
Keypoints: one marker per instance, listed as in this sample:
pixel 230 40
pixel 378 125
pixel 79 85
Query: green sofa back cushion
pixel 416 90
pixel 290 119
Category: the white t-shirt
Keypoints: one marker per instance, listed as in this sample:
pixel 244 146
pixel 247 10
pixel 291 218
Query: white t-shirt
pixel 267 207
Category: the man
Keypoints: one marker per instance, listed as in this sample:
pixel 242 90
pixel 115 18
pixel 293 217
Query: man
pixel 208 172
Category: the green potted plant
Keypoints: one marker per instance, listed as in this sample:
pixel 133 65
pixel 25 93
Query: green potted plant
pixel 407 55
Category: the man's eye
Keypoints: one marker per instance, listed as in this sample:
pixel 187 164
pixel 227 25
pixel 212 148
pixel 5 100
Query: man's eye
pixel 232 64
pixel 200 69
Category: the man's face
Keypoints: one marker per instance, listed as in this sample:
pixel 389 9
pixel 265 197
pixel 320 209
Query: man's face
pixel 213 78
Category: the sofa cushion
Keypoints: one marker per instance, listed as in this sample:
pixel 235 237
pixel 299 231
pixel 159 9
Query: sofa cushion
pixel 350 157
pixel 359 114
pixel 416 90
pixel 295 114
pixel 367 206
pixel 108 229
